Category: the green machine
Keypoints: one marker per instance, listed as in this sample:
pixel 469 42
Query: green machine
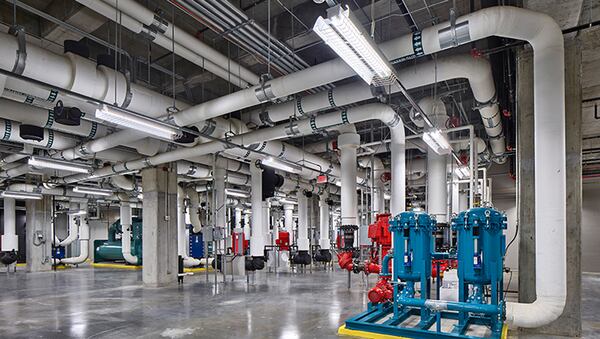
pixel 110 250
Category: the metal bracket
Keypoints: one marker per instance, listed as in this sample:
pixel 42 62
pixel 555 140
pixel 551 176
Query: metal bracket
pixel 379 93
pixel 265 118
pixel 19 32
pixel 264 93
pixel 129 94
pixel 292 129
pixel 455 34
pixel 159 24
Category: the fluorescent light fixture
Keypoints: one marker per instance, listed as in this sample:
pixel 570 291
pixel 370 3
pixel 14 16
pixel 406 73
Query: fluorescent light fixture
pixel 281 165
pixel 92 191
pixel 77 213
pixel 138 122
pixel 21 195
pixel 58 164
pixel 237 193
pixel 344 34
pixel 462 172
pixel 437 141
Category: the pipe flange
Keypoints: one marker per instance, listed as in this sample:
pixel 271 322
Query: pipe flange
pixel 209 127
pixel 192 170
pixel 455 34
pixel 148 33
pixel 394 122
pixel 292 129
pixel 147 162
pixel 265 119
pixel 493 101
pixel 21 60
pixel 264 93
pixel 129 94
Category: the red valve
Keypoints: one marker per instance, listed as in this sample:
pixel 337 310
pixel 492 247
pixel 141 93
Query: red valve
pixel 475 53
pixel 382 292
pixel 345 261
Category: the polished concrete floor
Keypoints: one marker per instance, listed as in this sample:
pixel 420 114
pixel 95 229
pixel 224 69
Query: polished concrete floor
pixel 104 303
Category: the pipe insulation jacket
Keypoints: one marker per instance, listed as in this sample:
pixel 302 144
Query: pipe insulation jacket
pixel 10 240
pixel 84 239
pixel 125 217
pixel 73 228
pixel 303 242
pixel 182 236
pixel 257 239
pixel 324 242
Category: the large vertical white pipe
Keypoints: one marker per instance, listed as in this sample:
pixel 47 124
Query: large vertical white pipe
pixel 437 194
pixel 10 240
pixel 257 240
pixel 72 226
pixel 247 225
pixel 182 235
pixel 348 143
pixel 324 242
pixel 84 239
pixel 288 217
pixel 220 200
pixel 303 242
pixel 125 210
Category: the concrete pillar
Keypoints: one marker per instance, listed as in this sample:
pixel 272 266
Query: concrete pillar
pixel 38 232
pixel 160 259
pixel 525 177
pixel 569 323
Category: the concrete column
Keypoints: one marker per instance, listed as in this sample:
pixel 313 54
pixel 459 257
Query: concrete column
pixel 160 259
pixel 525 177
pixel 221 208
pixel 38 232
pixel 569 323
pixel 10 240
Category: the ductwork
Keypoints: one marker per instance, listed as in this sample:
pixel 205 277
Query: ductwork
pixel 125 211
pixel 123 182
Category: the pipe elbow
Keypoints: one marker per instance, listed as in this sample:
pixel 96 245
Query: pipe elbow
pixel 541 312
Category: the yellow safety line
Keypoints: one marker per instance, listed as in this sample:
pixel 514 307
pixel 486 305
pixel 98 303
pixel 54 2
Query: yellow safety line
pixel 342 330
pixel 195 269
pixel 119 266
pixel 504 332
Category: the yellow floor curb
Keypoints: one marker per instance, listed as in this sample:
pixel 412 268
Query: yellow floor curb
pixel 342 330
pixel 118 266
pixel 195 269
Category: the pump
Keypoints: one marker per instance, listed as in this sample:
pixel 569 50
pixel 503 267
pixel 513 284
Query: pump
pixel 401 302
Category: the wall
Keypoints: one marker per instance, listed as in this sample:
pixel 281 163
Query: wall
pixel 509 206
pixel 590 227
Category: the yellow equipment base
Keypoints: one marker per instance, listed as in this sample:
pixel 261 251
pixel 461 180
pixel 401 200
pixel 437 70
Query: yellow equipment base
pixel 117 266
pixel 342 330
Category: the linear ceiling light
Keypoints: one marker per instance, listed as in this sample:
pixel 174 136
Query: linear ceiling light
pixel 281 165
pixel 138 122
pixel 462 172
pixel 344 34
pixel 237 193
pixel 58 164
pixel 92 191
pixel 436 140
pixel 22 195
pixel 77 212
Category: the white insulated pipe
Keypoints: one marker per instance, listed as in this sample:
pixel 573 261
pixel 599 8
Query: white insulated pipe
pixel 303 241
pixel 437 194
pixel 84 239
pixel 324 242
pixel 182 236
pixel 10 240
pixel 348 143
pixel 73 228
pixel 288 217
pixel 125 217
pixel 209 55
pixel 378 199
pixel 257 239
pixel 194 209
pixel 247 225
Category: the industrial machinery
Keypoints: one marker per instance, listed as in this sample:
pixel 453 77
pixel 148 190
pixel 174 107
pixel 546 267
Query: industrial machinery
pixel 401 302
pixel 111 250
